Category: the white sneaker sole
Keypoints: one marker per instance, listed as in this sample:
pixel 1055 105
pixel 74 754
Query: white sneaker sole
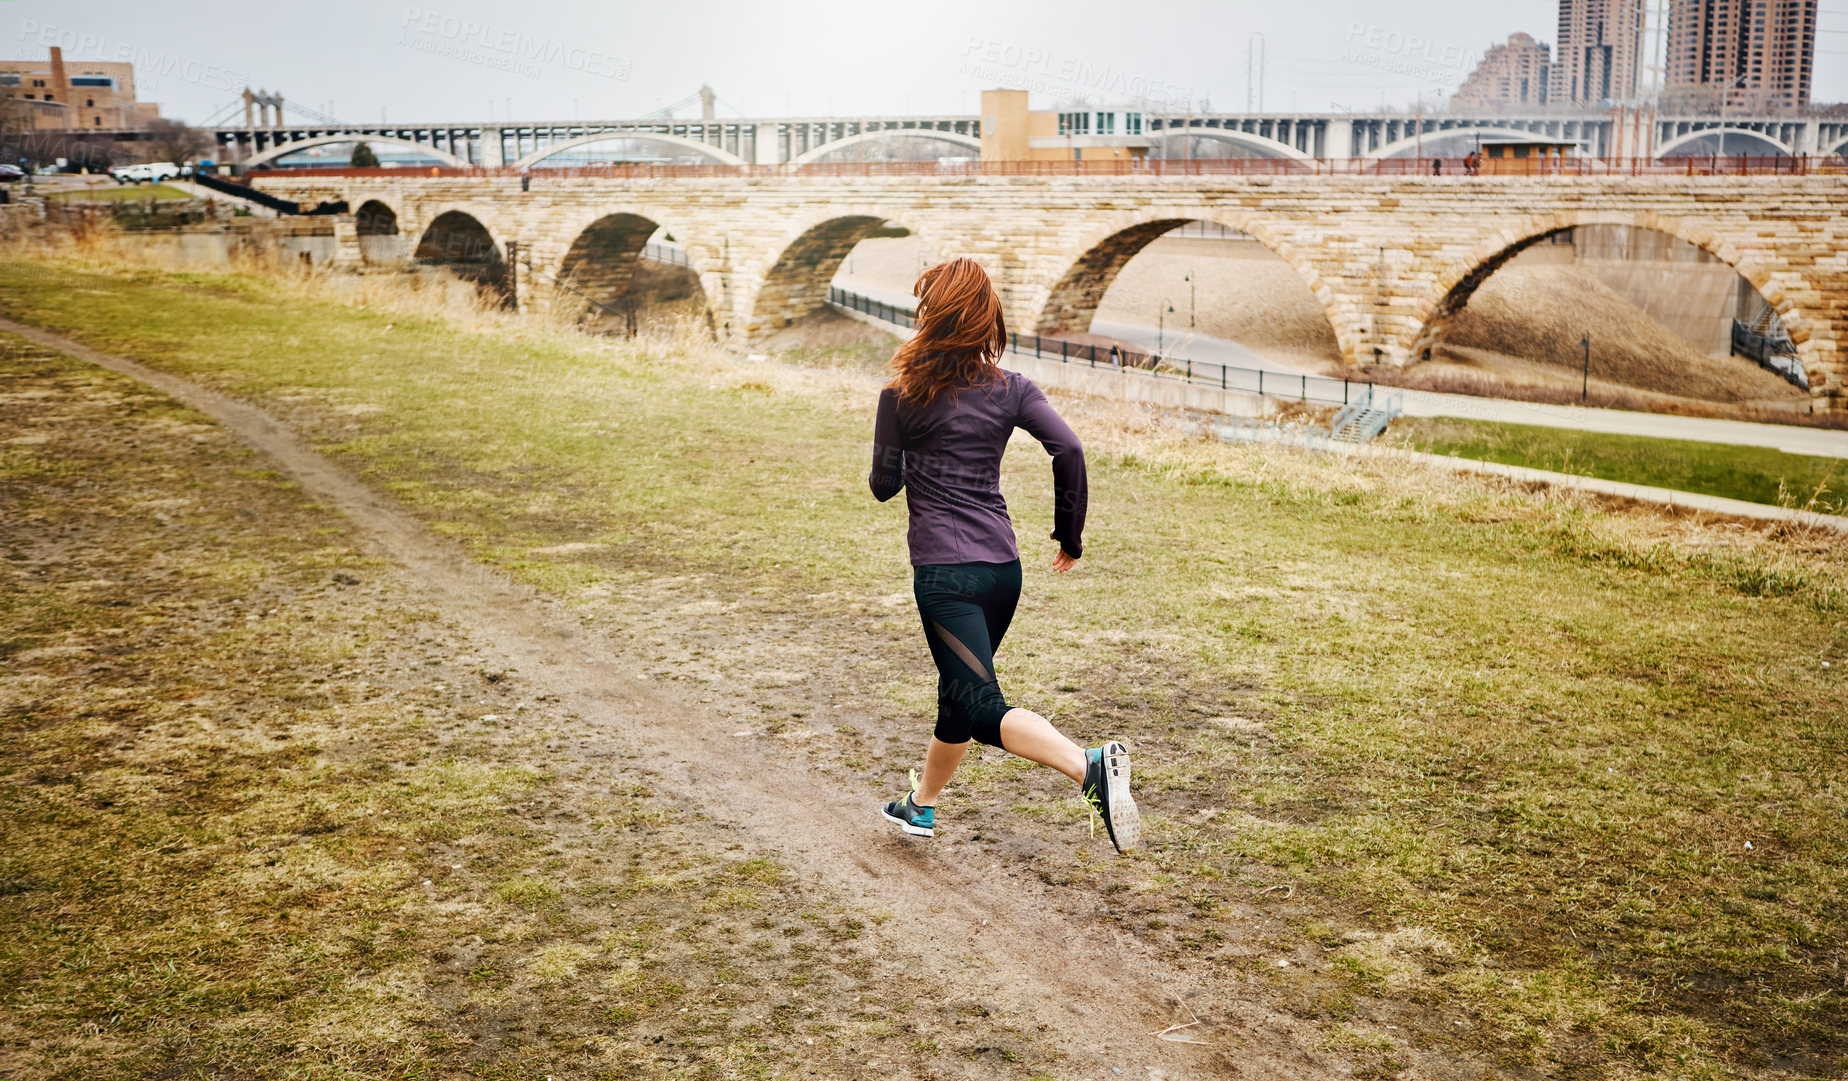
pixel 915 831
pixel 1125 819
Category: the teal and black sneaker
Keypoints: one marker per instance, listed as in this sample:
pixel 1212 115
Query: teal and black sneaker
pixel 915 820
pixel 1106 789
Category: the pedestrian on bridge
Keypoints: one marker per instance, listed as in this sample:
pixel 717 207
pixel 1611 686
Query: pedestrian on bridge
pixel 942 427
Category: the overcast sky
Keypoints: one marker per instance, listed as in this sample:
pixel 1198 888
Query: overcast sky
pixel 559 59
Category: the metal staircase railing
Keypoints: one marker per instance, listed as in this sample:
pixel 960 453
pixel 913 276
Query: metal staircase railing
pixel 1366 417
pixel 261 198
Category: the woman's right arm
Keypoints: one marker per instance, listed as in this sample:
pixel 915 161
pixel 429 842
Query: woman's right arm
pixel 888 475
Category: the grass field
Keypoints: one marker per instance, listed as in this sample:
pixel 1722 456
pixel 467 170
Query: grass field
pixel 119 193
pixel 1565 788
pixel 250 835
pixel 1753 474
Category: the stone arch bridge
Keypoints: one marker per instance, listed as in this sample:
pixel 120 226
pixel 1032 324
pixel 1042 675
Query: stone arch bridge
pixel 1391 259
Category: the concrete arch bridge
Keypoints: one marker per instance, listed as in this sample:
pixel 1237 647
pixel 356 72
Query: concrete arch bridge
pixel 1390 259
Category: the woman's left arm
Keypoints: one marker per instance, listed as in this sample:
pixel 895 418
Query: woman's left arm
pixel 1070 492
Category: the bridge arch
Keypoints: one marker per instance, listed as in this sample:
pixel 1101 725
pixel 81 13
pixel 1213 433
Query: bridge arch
pixel 375 217
pixel 723 157
pixel 1094 263
pixel 1452 288
pixel 598 267
pixel 375 225
pixel 1735 137
pixel 1410 143
pixel 796 282
pixel 456 240
pixel 1265 146
pixel 815 154
pixel 285 149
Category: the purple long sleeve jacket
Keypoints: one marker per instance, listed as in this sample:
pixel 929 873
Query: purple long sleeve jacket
pixel 947 458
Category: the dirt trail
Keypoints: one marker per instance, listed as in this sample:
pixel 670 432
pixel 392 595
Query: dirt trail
pixel 1098 995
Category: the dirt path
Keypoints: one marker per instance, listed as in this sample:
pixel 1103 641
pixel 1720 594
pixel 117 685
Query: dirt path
pixel 1094 993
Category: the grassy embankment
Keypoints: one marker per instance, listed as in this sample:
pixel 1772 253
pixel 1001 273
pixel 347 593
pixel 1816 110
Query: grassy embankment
pixel 1578 776
pixel 268 816
pixel 1753 474
pixel 120 193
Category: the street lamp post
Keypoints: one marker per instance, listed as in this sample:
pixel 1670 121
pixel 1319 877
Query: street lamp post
pixel 1161 327
pixel 1418 127
pixel 1192 296
pixel 1725 100
pixel 1585 390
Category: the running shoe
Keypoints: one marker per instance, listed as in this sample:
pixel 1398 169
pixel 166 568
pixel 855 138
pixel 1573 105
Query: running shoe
pixel 1106 789
pixel 915 820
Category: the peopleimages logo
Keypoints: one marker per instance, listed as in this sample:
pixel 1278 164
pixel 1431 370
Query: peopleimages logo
pixel 1023 68
pixel 476 42
pixel 1412 55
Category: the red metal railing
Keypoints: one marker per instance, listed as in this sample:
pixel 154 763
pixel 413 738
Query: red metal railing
pixel 1436 168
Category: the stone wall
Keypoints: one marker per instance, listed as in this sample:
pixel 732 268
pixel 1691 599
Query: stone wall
pixel 1391 259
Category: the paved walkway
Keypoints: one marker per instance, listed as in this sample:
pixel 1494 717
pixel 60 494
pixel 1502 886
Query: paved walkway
pixel 1420 403
pixel 1213 352
pixel 1207 353
pixel 1712 504
pixel 1785 437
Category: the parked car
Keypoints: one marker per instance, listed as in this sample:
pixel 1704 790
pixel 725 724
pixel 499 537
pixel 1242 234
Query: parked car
pixel 151 173
pixel 10 173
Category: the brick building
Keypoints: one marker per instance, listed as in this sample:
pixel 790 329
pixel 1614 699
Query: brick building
pixel 1012 132
pixel 1599 58
pixel 75 96
pixel 1748 54
pixel 1514 74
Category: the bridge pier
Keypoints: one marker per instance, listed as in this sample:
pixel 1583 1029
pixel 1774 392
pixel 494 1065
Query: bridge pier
pixel 1388 258
pixel 491 157
pixel 347 253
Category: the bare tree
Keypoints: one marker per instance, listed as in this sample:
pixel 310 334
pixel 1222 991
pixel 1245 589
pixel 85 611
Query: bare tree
pixel 174 141
pixel 15 131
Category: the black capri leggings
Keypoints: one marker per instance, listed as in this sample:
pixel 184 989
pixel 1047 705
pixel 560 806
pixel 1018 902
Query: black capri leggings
pixel 966 608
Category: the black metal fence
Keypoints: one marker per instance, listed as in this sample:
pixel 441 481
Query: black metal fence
pixel 1328 390
pixel 666 253
pixel 878 309
pixel 1776 354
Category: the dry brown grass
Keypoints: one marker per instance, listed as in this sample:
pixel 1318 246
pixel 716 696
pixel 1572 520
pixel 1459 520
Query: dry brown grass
pixel 269 815
pixel 90 242
pixel 1451 697
pixel 1244 292
pixel 1540 313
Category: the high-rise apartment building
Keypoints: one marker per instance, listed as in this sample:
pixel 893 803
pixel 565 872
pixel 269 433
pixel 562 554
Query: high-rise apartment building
pixel 1599 57
pixel 1745 54
pixel 1509 76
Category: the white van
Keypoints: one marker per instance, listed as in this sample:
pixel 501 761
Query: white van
pixel 151 173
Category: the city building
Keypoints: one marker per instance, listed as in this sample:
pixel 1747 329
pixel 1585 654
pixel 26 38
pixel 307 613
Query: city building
pixel 82 95
pixel 1013 132
pixel 1514 74
pixel 1740 54
pixel 1599 57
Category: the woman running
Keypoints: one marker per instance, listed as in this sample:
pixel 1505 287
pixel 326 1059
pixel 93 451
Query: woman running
pixel 944 422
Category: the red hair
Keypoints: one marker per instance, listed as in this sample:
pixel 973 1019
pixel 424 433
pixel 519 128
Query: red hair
pixel 960 334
